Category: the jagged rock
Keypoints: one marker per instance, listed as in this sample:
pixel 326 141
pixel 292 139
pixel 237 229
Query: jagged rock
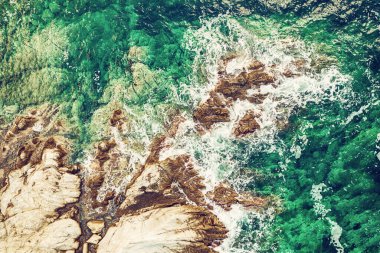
pixel 98 194
pixel 248 124
pixel 169 182
pixel 165 230
pixel 163 208
pixel 229 89
pixel 214 110
pixel 225 196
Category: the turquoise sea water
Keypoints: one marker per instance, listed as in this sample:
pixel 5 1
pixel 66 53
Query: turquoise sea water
pixel 323 168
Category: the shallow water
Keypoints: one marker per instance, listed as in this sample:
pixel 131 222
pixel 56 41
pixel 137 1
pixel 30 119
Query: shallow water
pixel 322 168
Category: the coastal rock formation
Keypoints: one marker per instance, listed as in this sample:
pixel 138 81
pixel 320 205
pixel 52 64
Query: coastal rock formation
pixel 165 230
pixel 225 196
pixel 48 205
pixel 166 208
pixel 37 189
pixel 248 124
pixel 169 182
pixel 248 88
pixel 229 89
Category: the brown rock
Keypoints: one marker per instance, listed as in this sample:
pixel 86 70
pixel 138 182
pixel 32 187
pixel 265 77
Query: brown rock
pixel 235 88
pixel 247 124
pixel 117 119
pixel 214 110
pixel 258 77
pixel 172 181
pixel 223 195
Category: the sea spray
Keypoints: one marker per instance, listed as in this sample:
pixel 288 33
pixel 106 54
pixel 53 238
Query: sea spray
pixel 320 210
pixel 223 36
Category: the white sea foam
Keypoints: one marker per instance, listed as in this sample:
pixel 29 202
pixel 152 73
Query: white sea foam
pixel 322 211
pixel 210 43
pixel 214 151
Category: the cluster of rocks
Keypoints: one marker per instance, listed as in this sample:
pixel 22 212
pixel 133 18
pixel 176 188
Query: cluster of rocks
pixel 50 205
pixel 228 90
pixel 246 85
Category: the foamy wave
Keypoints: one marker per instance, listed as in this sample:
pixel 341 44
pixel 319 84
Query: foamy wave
pixel 221 37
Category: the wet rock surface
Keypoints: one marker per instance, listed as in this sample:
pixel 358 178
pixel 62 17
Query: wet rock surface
pixel 248 124
pixel 247 87
pixel 50 205
pixel 225 196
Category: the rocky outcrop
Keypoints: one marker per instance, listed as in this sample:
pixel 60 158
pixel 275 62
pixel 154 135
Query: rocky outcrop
pixel 48 205
pixel 166 183
pixel 227 91
pixel 225 196
pixel 248 124
pixel 33 200
pixel 166 207
pixel 184 228
pixel 37 189
pixel 249 85
pixel 214 110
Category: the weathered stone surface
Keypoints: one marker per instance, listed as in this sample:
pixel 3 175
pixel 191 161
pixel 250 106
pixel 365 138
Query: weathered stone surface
pixel 228 90
pixel 94 239
pixel 106 170
pixel 29 203
pixel 247 87
pixel 225 196
pixel 48 205
pixel 214 110
pixel 170 229
pixel 37 186
pixel 165 207
pixel 248 124
pixel 169 182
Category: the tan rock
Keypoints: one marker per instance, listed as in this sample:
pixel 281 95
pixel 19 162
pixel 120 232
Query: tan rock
pixel 164 230
pixel 95 226
pixel 29 202
pixel 94 239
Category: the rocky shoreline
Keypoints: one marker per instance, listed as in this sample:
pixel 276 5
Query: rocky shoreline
pixel 50 205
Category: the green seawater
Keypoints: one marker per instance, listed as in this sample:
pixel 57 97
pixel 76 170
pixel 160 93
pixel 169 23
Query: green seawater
pixel 323 168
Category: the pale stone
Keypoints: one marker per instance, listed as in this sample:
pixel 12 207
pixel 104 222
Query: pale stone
pixel 85 248
pixel 28 204
pixel 95 226
pixel 164 230
pixel 94 239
